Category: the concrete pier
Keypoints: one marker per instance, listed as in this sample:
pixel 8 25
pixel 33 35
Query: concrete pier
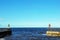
pixel 4 32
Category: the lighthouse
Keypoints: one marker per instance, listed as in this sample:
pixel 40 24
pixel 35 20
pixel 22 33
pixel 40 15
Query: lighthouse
pixel 8 25
pixel 49 27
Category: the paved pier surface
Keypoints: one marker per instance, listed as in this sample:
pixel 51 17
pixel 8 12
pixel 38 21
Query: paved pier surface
pixel 3 29
pixel 5 32
pixel 2 38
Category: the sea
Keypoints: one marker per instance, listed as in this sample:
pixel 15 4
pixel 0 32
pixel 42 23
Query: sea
pixel 29 34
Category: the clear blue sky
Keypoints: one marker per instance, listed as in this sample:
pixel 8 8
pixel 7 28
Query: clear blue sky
pixel 30 12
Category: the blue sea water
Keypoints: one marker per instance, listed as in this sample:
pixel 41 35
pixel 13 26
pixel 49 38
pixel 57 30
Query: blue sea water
pixel 30 34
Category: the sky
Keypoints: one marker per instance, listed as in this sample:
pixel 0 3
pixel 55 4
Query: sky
pixel 30 13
